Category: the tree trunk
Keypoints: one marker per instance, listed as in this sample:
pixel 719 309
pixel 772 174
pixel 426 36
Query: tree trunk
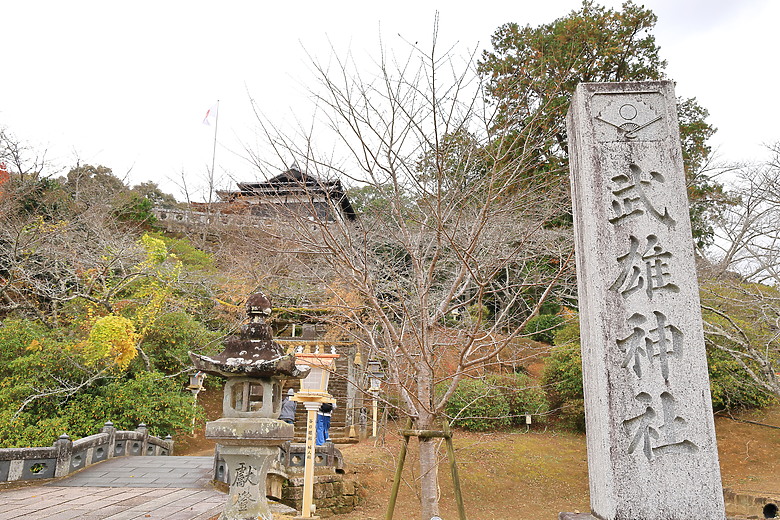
pixel 429 479
pixel 429 476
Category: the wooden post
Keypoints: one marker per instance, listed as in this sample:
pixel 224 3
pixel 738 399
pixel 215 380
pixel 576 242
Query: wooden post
pixel 454 469
pixel 426 434
pixel 374 406
pixel 398 471
pixel 308 472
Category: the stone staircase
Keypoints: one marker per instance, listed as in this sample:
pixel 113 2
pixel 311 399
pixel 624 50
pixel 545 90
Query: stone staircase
pixel 339 427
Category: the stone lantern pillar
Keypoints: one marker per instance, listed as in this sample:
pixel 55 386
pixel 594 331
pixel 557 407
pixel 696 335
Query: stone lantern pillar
pixel 248 433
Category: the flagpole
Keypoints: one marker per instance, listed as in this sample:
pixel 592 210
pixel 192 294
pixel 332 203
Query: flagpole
pixel 214 150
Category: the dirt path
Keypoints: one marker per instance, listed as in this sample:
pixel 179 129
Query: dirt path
pixel 750 453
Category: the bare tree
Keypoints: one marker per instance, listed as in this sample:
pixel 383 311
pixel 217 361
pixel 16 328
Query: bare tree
pixel 22 158
pixel 53 253
pixel 455 249
pixel 740 279
pixel 748 231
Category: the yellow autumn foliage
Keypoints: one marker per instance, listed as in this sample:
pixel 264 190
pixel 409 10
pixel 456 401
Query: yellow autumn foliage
pixel 156 251
pixel 111 340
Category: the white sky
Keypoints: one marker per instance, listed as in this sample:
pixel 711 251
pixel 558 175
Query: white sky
pixel 127 85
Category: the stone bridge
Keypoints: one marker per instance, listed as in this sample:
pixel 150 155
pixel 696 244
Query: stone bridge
pixel 121 475
pixel 129 475
pixel 123 488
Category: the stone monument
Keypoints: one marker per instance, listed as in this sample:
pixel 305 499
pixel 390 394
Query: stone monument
pixel 650 432
pixel 249 434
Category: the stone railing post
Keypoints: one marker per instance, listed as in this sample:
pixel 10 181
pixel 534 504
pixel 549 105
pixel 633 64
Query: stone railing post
pixel 63 449
pixel 169 442
pixel 145 440
pixel 111 431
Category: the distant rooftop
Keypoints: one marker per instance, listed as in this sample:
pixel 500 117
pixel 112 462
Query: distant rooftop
pixel 293 182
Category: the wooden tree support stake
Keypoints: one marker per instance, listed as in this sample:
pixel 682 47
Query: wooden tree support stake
pixel 446 434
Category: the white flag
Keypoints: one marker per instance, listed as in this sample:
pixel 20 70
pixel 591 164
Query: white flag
pixel 211 114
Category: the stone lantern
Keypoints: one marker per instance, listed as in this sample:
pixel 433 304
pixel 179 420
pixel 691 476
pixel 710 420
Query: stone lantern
pixel 195 387
pixel 248 433
pixel 375 375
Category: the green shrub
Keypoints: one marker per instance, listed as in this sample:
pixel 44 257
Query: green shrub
pixel 159 402
pixel 568 333
pixel 478 312
pixel 562 380
pixel 131 207
pixel 572 415
pixel 730 386
pixel 476 405
pixel 562 374
pixel 523 394
pixel 172 336
pixel 26 431
pixel 497 401
pixel 188 254
pixel 562 377
pixel 16 336
pixel 542 328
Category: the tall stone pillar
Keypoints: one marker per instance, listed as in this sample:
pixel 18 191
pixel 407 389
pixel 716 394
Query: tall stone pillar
pixel 651 439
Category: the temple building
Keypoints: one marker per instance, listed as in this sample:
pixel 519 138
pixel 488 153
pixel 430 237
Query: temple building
pixel 293 194
pixel 271 205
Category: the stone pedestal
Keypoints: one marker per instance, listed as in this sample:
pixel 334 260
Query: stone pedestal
pixel 249 446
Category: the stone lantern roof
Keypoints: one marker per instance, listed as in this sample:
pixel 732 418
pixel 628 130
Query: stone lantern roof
pixel 252 352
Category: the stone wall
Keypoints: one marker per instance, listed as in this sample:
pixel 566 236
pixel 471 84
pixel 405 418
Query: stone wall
pixel 333 494
pixel 745 505
pixel 66 456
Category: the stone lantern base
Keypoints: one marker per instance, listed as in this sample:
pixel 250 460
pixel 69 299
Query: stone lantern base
pixel 249 446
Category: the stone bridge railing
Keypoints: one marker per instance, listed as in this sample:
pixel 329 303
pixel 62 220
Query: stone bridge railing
pixel 66 456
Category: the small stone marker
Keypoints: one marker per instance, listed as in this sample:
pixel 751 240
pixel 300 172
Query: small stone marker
pixel 652 453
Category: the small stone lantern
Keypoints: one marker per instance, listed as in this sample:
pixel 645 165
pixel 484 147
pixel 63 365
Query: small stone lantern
pixel 195 387
pixel 375 375
pixel 248 432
